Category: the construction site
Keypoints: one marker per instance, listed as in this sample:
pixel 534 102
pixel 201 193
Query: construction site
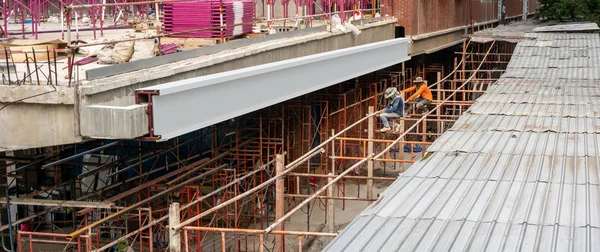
pixel 238 125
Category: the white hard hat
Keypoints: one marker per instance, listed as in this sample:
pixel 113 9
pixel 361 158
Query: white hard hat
pixel 390 92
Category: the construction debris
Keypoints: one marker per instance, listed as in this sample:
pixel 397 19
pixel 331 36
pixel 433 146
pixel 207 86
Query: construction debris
pixel 117 54
pixel 23 50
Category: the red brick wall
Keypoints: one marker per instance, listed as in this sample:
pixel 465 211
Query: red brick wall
pixel 425 16
pixel 403 10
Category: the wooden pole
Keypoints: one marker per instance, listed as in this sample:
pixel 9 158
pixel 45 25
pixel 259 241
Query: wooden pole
pixel 279 201
pixel 174 235
pixel 330 206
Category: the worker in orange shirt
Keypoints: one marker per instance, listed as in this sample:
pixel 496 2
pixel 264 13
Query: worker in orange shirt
pixel 422 97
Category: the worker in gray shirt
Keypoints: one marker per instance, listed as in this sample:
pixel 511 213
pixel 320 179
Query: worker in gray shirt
pixel 394 109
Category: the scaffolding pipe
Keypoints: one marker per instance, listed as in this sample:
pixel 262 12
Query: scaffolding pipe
pixel 58 203
pixel 258 231
pixel 289 168
pixel 436 107
pixel 144 201
pixel 37 162
pixel 10 230
pixel 224 154
pixel 315 194
pixel 80 154
pixel 320 146
pixel 146 185
pixel 28 218
pixel 279 200
pixel 156 221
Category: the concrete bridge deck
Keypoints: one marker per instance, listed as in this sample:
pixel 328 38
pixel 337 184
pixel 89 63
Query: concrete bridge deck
pixel 36 116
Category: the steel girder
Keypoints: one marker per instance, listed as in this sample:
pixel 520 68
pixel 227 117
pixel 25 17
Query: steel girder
pixel 179 107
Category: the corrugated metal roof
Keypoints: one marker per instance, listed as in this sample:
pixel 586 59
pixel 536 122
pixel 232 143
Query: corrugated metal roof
pixel 520 170
pixel 568 27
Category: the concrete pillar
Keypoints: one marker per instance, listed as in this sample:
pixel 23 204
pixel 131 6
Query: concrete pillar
pixel 174 237
pixel 370 163
pixel 279 202
pixel 330 207
pixel 525 9
pixel 502 11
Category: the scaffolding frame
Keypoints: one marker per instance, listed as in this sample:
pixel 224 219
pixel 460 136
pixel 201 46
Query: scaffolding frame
pixel 303 153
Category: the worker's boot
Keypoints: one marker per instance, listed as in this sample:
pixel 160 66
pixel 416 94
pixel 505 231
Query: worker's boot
pixel 385 129
pixel 397 128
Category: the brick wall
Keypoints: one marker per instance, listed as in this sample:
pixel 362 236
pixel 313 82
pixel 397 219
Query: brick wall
pixel 425 16
pixel 403 10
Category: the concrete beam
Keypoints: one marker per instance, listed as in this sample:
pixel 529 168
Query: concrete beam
pixel 184 106
pixel 43 94
pixel 32 125
pixel 424 44
pixel 105 108
pixel 113 122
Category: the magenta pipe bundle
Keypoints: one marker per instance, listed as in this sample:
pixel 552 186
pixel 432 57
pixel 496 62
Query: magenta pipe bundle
pixel 195 15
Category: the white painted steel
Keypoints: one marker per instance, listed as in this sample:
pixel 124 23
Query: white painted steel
pixel 187 105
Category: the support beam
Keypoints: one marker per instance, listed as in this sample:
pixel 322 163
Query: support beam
pixel 145 201
pixel 269 84
pixel 370 163
pixel 279 201
pixel 186 206
pixel 258 231
pixel 219 157
pixel 174 237
pixel 81 154
pixel 332 152
pixel 290 167
pixel 147 184
pixel 317 193
pixel 58 203
pixel 330 207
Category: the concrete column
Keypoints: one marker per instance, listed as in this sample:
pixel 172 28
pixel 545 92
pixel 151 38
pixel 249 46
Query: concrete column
pixel 370 163
pixel 525 9
pixel 174 237
pixel 502 10
pixel 279 202
pixel 330 207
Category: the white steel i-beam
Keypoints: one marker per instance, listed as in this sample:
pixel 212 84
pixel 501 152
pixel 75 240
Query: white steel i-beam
pixel 179 107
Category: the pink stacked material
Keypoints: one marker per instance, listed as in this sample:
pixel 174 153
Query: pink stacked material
pixel 85 61
pixel 195 15
pixel 168 48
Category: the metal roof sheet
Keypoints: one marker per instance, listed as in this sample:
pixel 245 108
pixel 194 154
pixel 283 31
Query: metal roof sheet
pixel 474 122
pixel 568 27
pixel 524 109
pixel 520 170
